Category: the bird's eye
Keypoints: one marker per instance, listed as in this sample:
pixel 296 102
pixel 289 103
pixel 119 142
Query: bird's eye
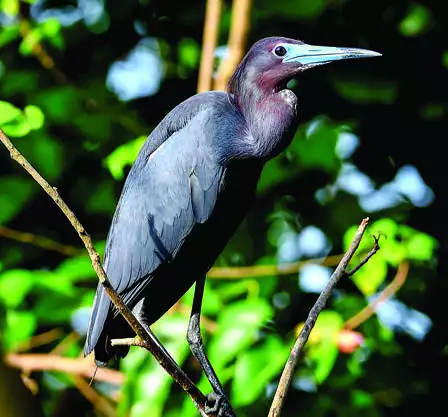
pixel 280 51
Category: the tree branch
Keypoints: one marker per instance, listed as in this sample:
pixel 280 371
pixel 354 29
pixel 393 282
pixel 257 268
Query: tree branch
pixel 151 342
pixel 239 27
pixel 209 40
pixel 291 364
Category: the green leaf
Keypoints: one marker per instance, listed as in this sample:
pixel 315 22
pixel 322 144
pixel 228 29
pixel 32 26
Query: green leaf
pixel 317 148
pixel 14 193
pixel 417 20
pixel 9 7
pixel 29 42
pixel 8 113
pixel 60 104
pixel 45 153
pixel 421 247
pixel 361 399
pixel 123 156
pixel 363 93
pixel 15 284
pixel 103 199
pixel 34 116
pixel 18 127
pixel 20 326
pixel 237 328
pixel 50 27
pixel 253 371
pixel 189 53
pixel 323 350
pixel 8 34
pixel 147 388
pixel 371 275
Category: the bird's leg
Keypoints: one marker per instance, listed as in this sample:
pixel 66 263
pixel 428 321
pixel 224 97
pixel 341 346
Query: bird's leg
pixel 218 399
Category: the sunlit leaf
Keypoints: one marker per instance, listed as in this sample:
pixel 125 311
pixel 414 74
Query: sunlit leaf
pixel 322 347
pixel 417 20
pixel 371 275
pixel 253 372
pixel 34 116
pixel 237 327
pixel 18 127
pixel 147 389
pixel 123 156
pixel 8 112
pixel 421 247
pixel 30 41
pixel 9 7
pixel 15 284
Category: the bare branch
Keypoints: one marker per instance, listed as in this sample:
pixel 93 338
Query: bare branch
pixel 375 249
pixel 239 27
pixel 146 335
pixel 31 362
pixel 291 364
pixel 130 341
pixel 209 40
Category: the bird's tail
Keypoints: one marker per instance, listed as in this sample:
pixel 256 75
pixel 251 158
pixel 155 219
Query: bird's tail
pixel 101 330
pixel 96 336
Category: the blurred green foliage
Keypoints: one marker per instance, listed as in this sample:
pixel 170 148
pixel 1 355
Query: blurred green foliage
pixel 82 135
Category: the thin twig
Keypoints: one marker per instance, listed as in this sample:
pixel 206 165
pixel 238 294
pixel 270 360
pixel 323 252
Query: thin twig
pixel 291 364
pixel 259 271
pixel 39 340
pixel 389 291
pixel 217 272
pixel 130 341
pixel 151 342
pixel 375 249
pixel 31 362
pixel 40 241
pixel 239 27
pixel 209 40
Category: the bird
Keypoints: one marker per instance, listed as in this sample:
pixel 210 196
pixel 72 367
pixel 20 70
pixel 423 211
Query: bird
pixel 190 187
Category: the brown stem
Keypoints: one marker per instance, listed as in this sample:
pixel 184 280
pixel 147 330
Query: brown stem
pixel 209 40
pixel 31 362
pixel 239 27
pixel 389 291
pixel 40 241
pixel 147 337
pixel 291 364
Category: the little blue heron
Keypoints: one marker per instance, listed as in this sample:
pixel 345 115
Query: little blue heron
pixel 190 187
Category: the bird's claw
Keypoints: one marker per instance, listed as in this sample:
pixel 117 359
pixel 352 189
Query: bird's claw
pixel 218 405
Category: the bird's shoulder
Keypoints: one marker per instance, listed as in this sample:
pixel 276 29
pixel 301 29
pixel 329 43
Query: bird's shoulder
pixel 207 105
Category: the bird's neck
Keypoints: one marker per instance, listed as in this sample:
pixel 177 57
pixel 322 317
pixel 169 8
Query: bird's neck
pixel 271 118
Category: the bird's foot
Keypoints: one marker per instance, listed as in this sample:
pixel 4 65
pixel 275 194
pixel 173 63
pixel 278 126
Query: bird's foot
pixel 218 405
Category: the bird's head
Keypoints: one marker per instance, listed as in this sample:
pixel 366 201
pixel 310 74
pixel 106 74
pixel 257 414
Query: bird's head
pixel 272 62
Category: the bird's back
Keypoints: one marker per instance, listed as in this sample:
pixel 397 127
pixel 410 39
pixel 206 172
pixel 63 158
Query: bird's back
pixel 175 215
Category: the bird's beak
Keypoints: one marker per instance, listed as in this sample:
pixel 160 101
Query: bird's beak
pixel 310 55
